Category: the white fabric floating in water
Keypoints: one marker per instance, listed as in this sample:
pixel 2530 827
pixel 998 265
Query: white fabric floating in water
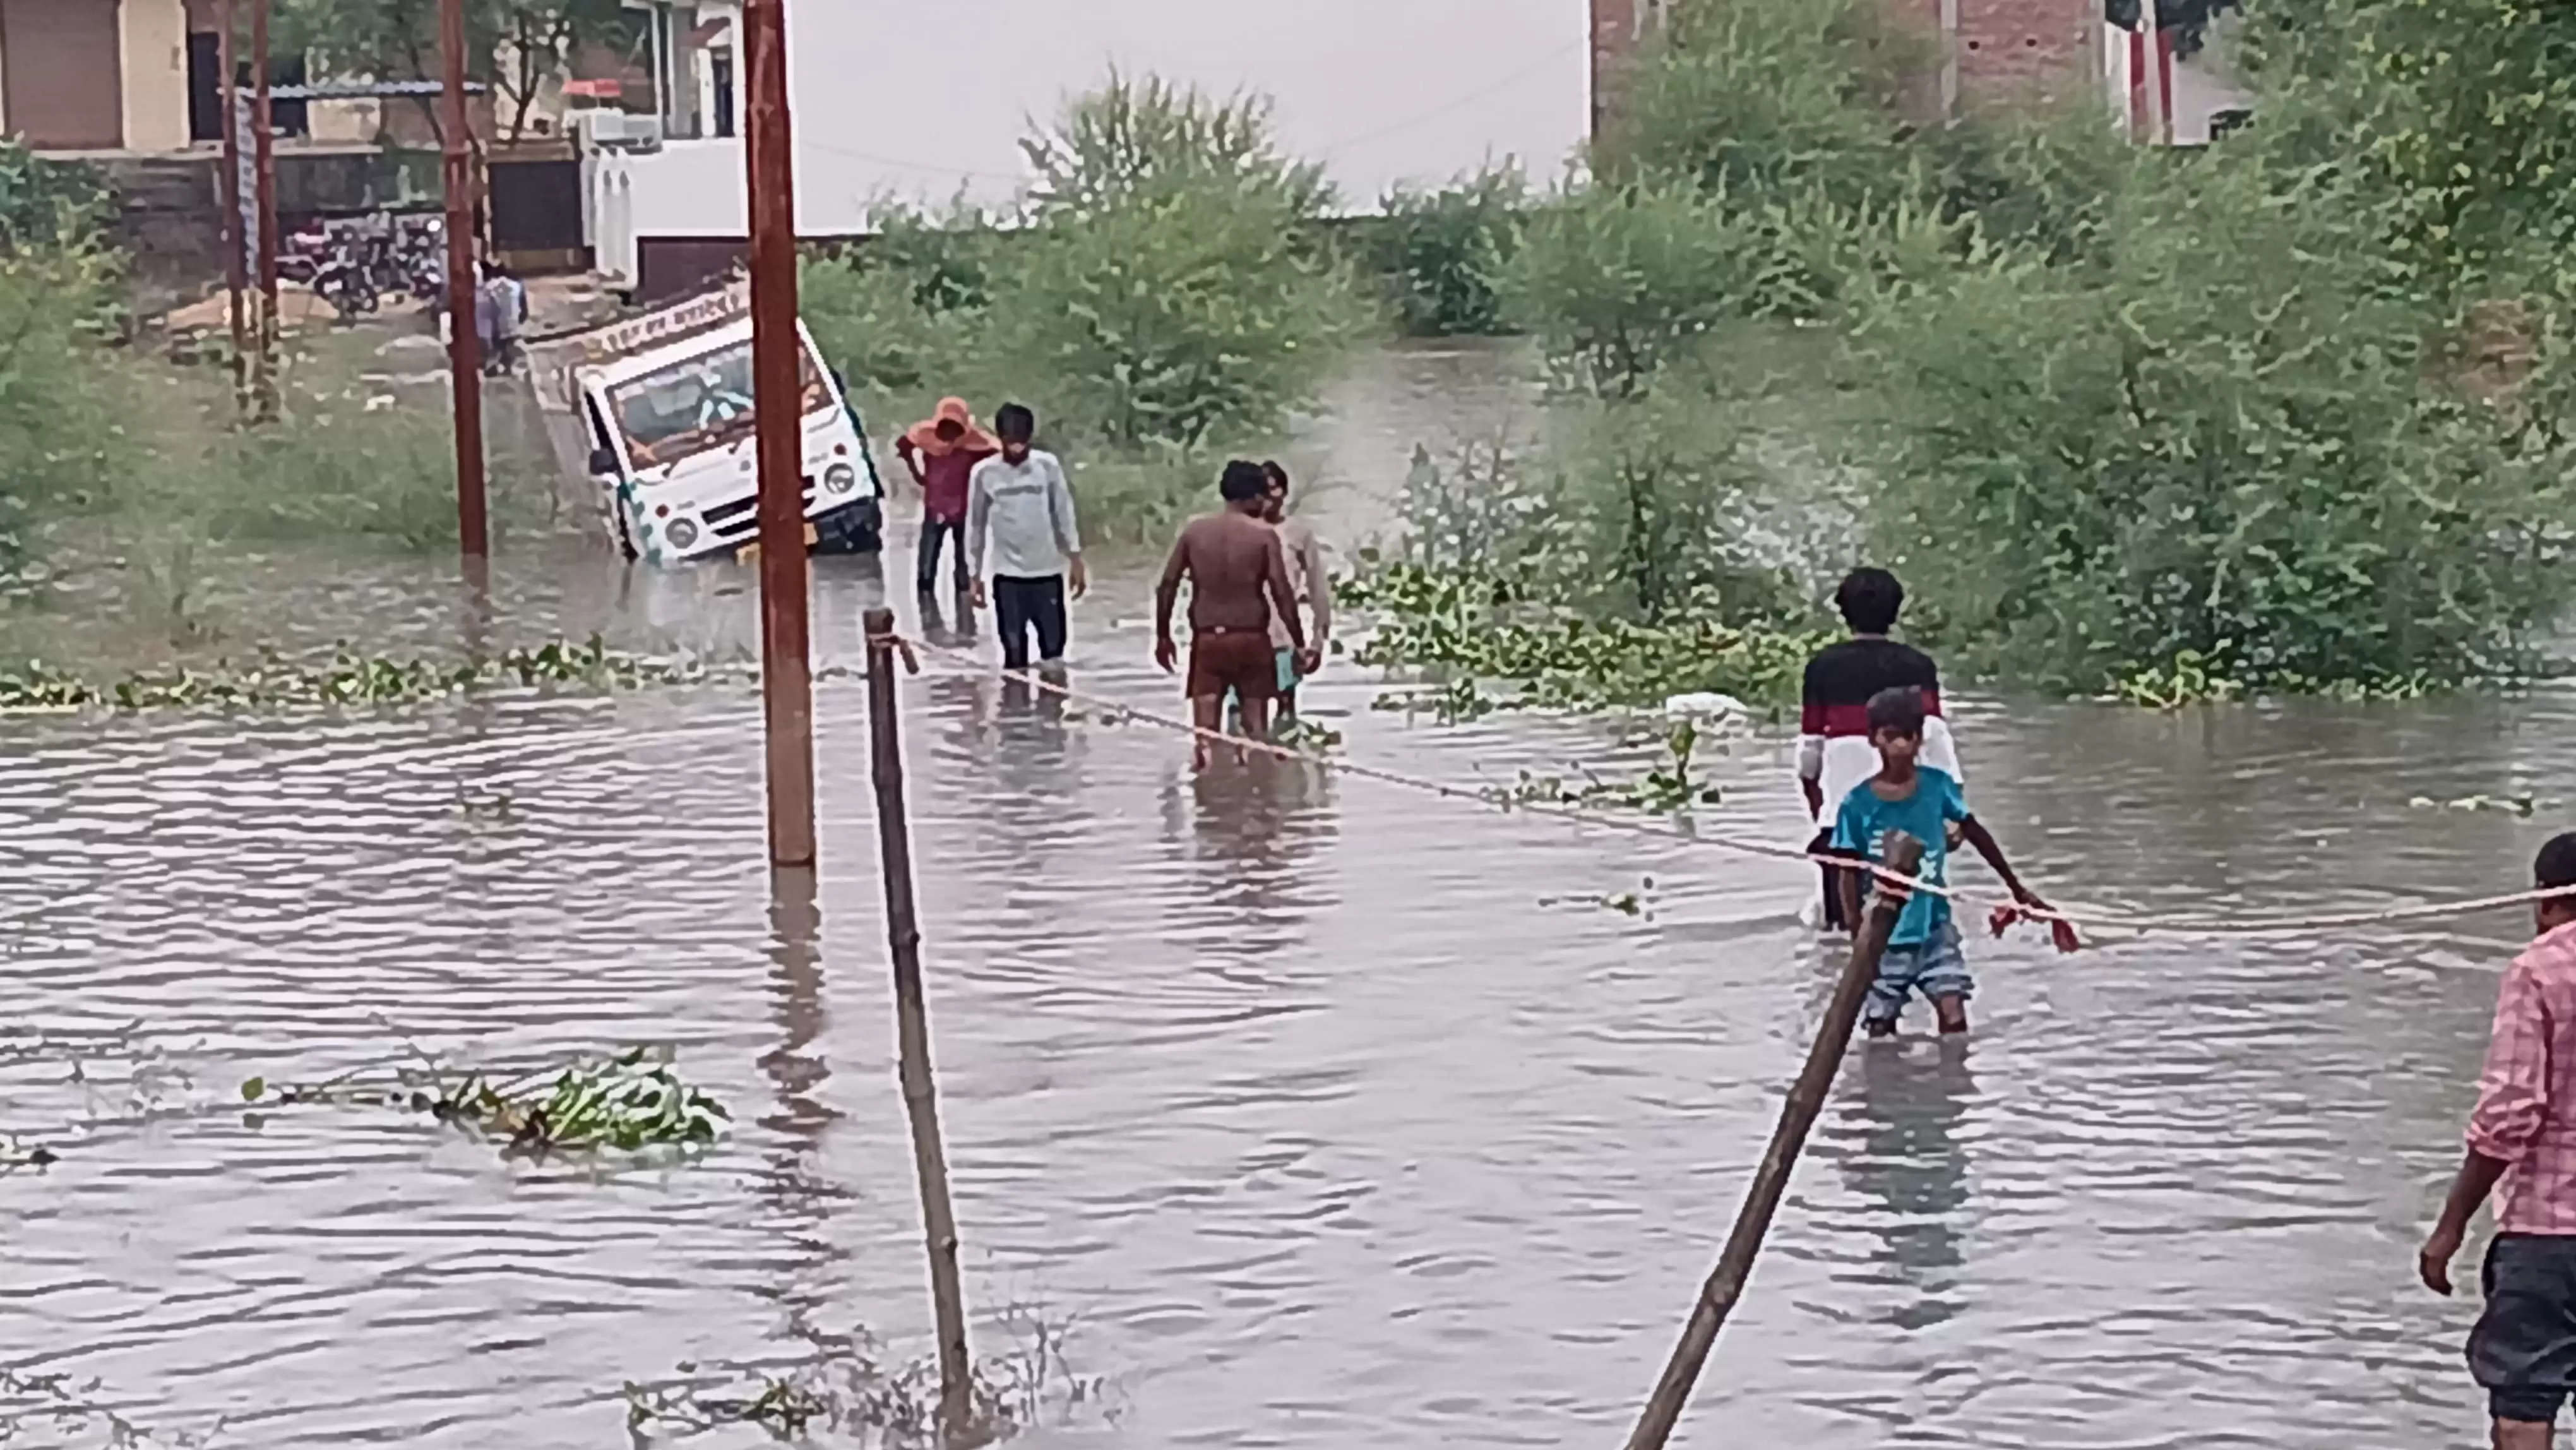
pixel 1705 705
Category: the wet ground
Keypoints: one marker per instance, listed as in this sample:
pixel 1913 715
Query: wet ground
pixel 1295 1096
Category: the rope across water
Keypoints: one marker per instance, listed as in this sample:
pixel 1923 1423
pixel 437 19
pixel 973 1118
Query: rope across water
pixel 2085 918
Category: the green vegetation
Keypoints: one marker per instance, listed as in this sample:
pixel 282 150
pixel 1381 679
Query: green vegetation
pixel 270 682
pixel 627 1103
pixel 1162 296
pixel 1440 255
pixel 2286 417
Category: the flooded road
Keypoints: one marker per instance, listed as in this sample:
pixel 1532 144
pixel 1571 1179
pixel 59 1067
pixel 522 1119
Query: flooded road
pixel 1288 1093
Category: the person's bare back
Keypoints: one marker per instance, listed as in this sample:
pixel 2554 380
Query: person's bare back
pixel 1237 569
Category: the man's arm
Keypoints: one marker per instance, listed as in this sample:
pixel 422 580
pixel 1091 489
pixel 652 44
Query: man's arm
pixel 1319 590
pixel 1283 591
pixel 1167 592
pixel 2513 1104
pixel 979 517
pixel 1811 744
pixel 911 456
pixel 1068 529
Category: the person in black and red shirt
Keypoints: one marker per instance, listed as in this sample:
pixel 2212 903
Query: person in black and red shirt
pixel 1834 753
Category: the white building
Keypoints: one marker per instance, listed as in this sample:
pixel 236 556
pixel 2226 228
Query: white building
pixel 927 100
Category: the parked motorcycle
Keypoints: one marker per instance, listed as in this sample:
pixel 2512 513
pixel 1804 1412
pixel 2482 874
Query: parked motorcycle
pixel 345 280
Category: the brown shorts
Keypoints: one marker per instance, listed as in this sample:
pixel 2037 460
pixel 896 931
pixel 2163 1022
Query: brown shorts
pixel 1234 659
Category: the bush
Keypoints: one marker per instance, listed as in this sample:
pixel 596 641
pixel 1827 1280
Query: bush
pixel 1441 255
pixel 2231 443
pixel 62 407
pixel 1171 290
pixel 1618 282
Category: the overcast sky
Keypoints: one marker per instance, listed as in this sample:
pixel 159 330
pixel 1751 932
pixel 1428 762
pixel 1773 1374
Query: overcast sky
pixel 919 97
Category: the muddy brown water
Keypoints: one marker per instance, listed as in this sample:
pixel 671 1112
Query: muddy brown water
pixel 1295 1096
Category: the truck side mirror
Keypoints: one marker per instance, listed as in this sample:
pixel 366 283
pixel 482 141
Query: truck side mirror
pixel 603 464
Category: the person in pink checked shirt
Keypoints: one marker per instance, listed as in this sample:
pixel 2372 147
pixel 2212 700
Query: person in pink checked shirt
pixel 2522 1148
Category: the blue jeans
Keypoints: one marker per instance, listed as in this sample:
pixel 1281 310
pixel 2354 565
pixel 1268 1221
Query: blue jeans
pixel 1936 968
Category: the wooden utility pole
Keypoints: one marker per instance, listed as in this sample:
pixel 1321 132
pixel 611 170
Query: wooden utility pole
pixel 236 271
pixel 912 1027
pixel 464 345
pixel 1806 1099
pixel 778 407
pixel 264 149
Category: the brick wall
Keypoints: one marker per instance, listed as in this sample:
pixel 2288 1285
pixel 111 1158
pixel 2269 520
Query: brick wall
pixel 2027 50
pixel 2007 51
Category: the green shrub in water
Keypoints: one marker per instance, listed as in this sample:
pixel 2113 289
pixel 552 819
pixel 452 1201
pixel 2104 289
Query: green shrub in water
pixel 1170 289
pixel 2234 442
pixel 1441 255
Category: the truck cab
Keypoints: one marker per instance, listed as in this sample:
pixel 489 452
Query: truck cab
pixel 671 432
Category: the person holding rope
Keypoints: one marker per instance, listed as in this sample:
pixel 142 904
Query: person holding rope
pixel 2522 1150
pixel 1237 569
pixel 1834 751
pixel 1925 802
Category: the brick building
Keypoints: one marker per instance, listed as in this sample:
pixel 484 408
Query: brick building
pixel 1988 51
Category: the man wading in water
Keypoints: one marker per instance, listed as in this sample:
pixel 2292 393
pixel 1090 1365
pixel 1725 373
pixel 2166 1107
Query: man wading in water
pixel 942 451
pixel 1019 501
pixel 1237 568
pixel 1834 751
pixel 2522 1148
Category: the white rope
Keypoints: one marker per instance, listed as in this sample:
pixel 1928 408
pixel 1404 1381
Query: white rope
pixel 2087 918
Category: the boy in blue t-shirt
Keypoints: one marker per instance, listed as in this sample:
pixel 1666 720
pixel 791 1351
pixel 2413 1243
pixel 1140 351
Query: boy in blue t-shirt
pixel 1923 953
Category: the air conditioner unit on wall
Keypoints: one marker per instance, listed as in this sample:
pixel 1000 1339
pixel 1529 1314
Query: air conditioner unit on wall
pixel 618 130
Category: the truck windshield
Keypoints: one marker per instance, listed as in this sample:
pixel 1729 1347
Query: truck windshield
pixel 700 403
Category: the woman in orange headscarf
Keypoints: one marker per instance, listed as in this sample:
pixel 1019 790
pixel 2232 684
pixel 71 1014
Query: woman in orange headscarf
pixel 942 451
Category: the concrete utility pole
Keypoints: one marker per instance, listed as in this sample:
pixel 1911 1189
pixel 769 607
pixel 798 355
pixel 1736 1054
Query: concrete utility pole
pixel 778 406
pixel 464 346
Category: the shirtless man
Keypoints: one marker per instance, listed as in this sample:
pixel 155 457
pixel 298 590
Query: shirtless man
pixel 1238 573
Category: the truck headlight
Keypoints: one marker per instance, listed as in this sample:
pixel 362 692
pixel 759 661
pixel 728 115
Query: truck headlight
pixel 682 533
pixel 840 478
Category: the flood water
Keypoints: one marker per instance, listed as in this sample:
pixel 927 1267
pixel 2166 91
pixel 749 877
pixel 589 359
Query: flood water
pixel 1308 1103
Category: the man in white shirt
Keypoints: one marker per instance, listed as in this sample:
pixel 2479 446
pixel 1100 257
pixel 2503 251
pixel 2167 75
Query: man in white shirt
pixel 1314 585
pixel 1019 502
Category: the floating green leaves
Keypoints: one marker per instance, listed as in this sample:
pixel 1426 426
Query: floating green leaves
pixel 349 679
pixel 1468 624
pixel 627 1103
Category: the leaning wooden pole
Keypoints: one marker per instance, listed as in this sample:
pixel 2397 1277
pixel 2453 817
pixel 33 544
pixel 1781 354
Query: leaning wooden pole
pixel 236 270
pixel 1798 1115
pixel 912 1029
pixel 778 410
pixel 264 150
pixel 464 344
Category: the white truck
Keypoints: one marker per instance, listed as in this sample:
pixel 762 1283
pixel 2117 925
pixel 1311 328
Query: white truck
pixel 663 405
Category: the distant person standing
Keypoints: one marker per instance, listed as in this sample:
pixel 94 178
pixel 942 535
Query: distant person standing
pixel 1834 750
pixel 2522 1150
pixel 1236 565
pixel 1313 584
pixel 1020 506
pixel 942 451
pixel 501 310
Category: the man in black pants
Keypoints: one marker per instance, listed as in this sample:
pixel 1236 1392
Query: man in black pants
pixel 1020 502
pixel 1834 753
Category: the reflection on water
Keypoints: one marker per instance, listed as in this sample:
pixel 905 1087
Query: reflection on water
pixel 1285 1089
pixel 1906 1111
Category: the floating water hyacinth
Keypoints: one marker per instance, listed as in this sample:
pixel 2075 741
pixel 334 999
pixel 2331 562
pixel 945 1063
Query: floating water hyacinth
pixel 626 1103
pixel 350 679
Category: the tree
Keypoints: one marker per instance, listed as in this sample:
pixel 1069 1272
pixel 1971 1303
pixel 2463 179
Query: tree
pixel 513 46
